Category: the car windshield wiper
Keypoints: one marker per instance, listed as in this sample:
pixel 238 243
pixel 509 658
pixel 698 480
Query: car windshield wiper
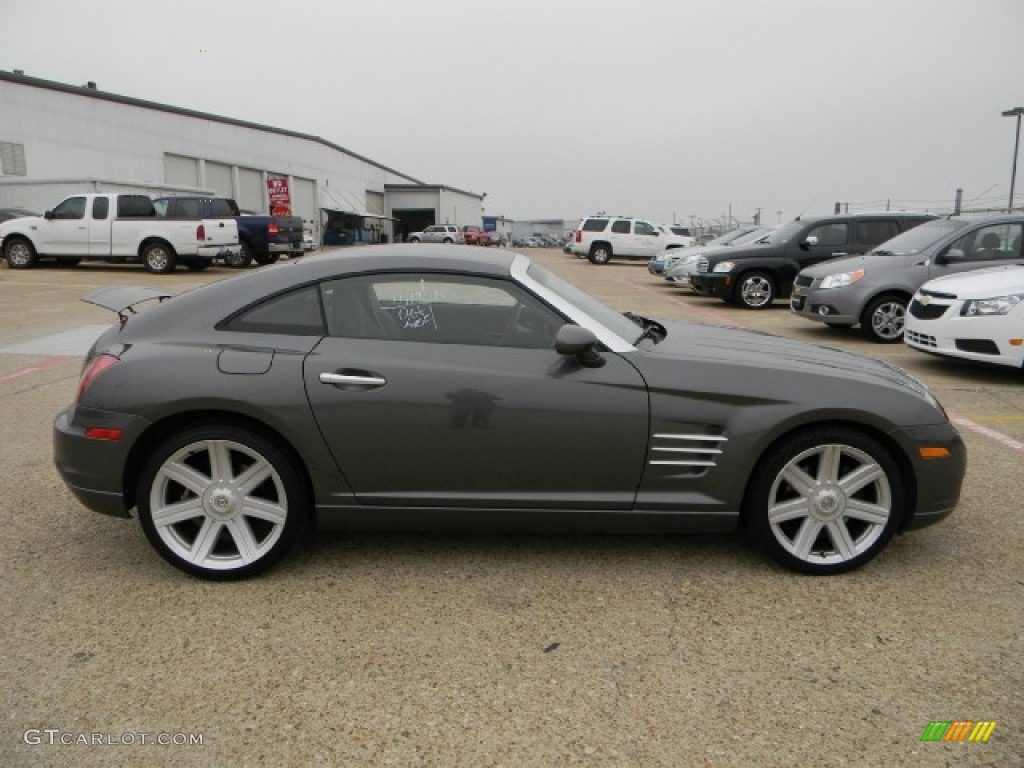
pixel 883 253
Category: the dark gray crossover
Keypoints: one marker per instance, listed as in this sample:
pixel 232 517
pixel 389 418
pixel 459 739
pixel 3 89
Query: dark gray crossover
pixel 425 387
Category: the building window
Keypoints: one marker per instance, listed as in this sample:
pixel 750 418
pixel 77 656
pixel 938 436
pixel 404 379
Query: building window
pixel 12 159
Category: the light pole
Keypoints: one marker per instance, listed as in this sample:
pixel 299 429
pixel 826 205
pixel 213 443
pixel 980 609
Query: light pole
pixel 1015 112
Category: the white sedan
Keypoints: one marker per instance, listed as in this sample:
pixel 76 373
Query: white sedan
pixel 974 316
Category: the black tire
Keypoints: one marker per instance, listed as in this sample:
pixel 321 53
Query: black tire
pixel 20 253
pixel 158 258
pixel 883 319
pixel 600 253
pixel 196 265
pixel 239 260
pixel 414 240
pixel 449 240
pixel 830 525
pixel 755 290
pixel 206 543
pixel 68 261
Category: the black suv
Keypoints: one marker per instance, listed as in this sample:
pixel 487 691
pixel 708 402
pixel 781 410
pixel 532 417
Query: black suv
pixel 754 276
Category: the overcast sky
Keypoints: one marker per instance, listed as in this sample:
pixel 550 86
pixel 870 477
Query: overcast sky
pixel 664 109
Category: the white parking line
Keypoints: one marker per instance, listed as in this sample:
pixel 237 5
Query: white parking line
pixel 999 437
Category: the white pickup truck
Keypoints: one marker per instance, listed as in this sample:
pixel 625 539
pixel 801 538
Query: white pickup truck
pixel 116 227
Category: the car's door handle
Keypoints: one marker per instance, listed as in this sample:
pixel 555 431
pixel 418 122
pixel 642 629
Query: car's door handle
pixel 353 378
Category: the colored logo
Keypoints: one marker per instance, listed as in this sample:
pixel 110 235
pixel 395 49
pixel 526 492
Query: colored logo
pixel 958 730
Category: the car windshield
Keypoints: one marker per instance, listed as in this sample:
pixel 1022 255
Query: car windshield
pixel 785 233
pixel 918 239
pixel 616 322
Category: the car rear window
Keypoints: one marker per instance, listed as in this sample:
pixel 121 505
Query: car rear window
pixel 594 225
pixel 296 313
pixel 134 207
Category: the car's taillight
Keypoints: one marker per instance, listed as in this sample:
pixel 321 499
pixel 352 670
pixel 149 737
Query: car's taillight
pixel 96 367
pixel 579 236
pixel 272 229
pixel 201 233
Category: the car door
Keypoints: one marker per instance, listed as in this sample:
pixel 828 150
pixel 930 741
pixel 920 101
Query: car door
pixel 99 227
pixel 647 239
pixel 65 231
pixel 828 240
pixel 444 391
pixel 992 245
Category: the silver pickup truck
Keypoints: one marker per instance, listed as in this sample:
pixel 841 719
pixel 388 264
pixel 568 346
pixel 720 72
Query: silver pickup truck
pixel 116 227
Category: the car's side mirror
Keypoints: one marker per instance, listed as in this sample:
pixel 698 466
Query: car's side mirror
pixel 48 215
pixel 581 343
pixel 811 240
pixel 953 256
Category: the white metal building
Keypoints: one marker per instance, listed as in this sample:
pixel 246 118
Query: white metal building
pixel 58 139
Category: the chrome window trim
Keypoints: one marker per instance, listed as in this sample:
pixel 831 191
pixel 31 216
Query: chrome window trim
pixel 614 342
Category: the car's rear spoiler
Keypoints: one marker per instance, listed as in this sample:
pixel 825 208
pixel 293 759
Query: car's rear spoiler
pixel 123 299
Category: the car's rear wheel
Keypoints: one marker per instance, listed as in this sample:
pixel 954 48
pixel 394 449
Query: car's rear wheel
pixel 883 319
pixel 241 259
pixel 601 253
pixel 755 290
pixel 20 254
pixel 221 502
pixel 158 258
pixel 826 500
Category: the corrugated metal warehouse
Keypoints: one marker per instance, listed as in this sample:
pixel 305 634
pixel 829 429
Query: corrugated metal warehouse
pixel 58 139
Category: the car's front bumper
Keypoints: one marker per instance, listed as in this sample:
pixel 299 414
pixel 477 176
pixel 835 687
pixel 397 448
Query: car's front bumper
pixel 937 481
pixel 980 339
pixel 713 284
pixel 93 469
pixel 834 305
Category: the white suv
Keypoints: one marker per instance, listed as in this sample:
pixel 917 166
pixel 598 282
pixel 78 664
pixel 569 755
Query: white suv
pixel 600 237
pixel 438 233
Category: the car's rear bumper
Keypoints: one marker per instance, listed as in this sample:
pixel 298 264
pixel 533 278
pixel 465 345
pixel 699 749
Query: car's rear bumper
pixel 93 469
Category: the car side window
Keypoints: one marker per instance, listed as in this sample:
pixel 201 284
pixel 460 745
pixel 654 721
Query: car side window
pixel 830 234
pixel 595 225
pixel 100 208
pixel 296 313
pixel 620 227
pixel 438 309
pixel 72 208
pixel 643 228
pixel 992 242
pixel 872 233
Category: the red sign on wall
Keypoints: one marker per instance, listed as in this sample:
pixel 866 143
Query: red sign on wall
pixel 280 197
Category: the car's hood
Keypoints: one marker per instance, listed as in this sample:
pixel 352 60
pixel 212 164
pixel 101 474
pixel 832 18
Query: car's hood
pixel 866 262
pixel 981 284
pixel 710 343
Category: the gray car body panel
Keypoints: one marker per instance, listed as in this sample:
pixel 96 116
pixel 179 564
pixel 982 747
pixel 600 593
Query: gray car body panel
pixel 595 447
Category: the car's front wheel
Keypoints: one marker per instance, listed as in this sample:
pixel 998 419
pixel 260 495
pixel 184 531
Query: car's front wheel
pixel 826 500
pixel 221 502
pixel 755 290
pixel 883 319
pixel 20 254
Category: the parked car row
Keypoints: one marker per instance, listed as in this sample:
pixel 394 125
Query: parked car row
pixel 909 285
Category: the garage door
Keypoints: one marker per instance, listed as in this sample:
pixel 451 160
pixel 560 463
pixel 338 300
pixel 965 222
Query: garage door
pixel 251 194
pixel 303 201
pixel 182 171
pixel 218 178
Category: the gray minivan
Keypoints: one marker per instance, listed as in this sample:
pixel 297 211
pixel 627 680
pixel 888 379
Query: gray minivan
pixel 874 290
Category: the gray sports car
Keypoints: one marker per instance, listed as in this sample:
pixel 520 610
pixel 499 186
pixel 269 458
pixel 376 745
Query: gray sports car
pixel 424 387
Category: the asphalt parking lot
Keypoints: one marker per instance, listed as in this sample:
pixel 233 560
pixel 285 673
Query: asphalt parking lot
pixel 499 651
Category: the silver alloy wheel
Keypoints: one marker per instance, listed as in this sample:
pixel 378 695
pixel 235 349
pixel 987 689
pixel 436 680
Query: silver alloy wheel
pixel 158 259
pixel 830 504
pixel 756 291
pixel 600 254
pixel 19 254
pixel 218 505
pixel 887 320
